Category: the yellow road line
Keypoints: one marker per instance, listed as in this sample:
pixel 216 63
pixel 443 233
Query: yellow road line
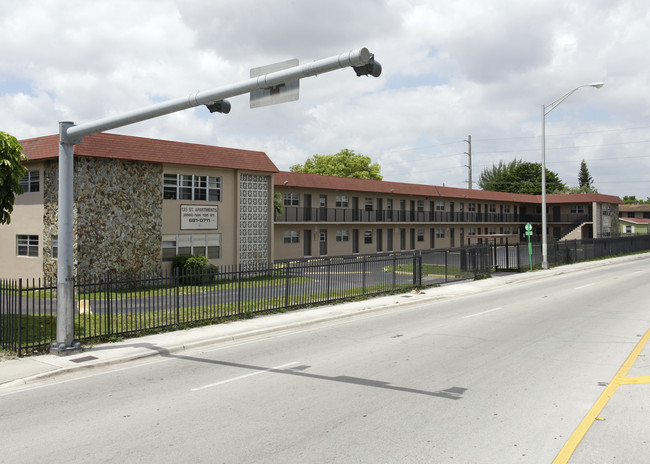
pixel 619 379
pixel 634 380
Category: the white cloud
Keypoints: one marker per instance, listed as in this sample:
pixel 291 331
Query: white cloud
pixel 451 69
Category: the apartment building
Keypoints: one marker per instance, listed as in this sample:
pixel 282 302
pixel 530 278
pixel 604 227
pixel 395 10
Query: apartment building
pixel 329 216
pixel 139 202
pixel 634 219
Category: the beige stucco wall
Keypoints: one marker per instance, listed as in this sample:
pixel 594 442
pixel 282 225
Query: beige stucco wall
pixel 26 219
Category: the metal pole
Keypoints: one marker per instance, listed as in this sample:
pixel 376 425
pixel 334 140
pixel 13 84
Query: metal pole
pixel 544 238
pixel 545 110
pixel 71 134
pixel 65 271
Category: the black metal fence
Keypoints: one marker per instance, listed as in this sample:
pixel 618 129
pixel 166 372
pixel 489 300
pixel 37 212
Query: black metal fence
pixel 121 305
pixel 516 256
pixel 115 306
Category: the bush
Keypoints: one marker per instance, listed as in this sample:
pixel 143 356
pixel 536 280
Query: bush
pixel 193 269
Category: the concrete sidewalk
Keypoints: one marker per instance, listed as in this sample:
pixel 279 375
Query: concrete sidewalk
pixel 18 372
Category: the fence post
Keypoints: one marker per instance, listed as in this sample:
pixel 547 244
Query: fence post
pixel 239 288
pixel 178 295
pixel 286 285
pixel 447 266
pixel 329 278
pixel 20 317
pixel 107 306
pixel 363 275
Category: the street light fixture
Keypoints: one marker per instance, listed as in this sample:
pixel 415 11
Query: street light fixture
pixel 545 110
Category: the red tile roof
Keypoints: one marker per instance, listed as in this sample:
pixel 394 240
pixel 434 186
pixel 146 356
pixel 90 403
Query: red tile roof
pixel 126 147
pixel 314 181
pixel 635 220
pixel 636 208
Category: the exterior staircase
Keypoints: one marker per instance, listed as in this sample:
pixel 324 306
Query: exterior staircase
pixel 576 232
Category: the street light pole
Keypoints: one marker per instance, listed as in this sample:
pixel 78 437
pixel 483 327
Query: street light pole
pixel 545 110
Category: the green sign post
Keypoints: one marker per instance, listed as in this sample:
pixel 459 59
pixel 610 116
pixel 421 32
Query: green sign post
pixel 529 232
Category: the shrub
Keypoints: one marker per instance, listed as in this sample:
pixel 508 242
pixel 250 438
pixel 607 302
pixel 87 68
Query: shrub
pixel 193 269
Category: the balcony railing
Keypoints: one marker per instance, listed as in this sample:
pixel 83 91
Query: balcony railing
pixel 341 215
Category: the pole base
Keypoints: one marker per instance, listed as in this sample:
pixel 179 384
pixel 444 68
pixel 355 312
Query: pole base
pixel 62 350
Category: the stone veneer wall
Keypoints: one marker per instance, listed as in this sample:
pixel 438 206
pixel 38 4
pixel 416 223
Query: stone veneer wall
pixel 254 247
pixel 117 216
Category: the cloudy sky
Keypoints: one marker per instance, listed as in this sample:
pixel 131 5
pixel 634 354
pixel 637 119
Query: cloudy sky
pixel 451 69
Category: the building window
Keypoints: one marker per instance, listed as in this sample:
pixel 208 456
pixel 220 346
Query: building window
pixel 440 205
pixel 471 207
pixel 506 208
pixel 367 236
pixel 628 229
pixel 630 215
pixel 27 245
pixel 291 236
pixel 191 187
pixel 342 235
pixel 55 246
pixel 578 209
pixel 291 199
pixel 420 205
pixel 472 231
pixel 606 210
pixel 30 182
pixel 341 201
pixel 492 208
pixel 420 235
pixel 440 233
pixel 370 202
pixel 493 231
pixel 208 245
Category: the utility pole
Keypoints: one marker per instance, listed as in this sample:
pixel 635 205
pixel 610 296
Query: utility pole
pixel 70 134
pixel 469 166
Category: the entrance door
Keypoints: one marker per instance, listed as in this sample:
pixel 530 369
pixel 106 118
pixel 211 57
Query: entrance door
pixel 323 242
pixel 307 207
pixel 307 240
pixel 355 208
pixel 322 208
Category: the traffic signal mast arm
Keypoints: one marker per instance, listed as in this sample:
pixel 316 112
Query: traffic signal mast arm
pixel 361 59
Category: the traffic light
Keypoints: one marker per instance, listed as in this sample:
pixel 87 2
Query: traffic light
pixel 373 68
pixel 221 106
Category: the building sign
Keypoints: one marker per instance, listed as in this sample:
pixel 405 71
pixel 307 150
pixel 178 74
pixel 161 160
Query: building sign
pixel 196 217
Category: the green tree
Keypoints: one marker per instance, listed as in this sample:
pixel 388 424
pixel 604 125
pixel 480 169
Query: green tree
pixel 489 176
pixel 11 171
pixel 527 178
pixel 345 163
pixel 584 178
pixel 633 200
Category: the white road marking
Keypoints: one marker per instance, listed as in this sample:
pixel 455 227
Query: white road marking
pixel 243 376
pixel 482 312
pixel 584 286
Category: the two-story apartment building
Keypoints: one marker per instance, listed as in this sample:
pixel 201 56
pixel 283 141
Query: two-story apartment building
pixel 634 219
pixel 326 215
pixel 140 202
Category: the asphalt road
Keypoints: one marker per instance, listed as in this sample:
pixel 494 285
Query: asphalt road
pixel 503 377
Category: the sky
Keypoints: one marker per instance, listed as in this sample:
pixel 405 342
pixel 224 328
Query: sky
pixel 451 70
